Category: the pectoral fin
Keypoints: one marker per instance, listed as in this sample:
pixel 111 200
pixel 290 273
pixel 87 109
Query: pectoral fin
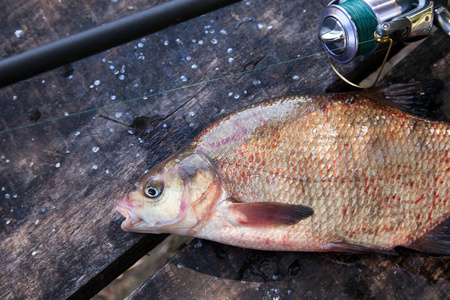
pixel 263 214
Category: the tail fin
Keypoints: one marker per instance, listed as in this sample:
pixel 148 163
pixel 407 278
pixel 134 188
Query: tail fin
pixel 436 241
pixel 413 98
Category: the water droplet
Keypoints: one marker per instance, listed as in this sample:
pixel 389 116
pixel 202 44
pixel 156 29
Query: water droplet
pixel 188 58
pixel 179 266
pixel 94 167
pixel 97 82
pixel 113 97
pixel 19 33
pixel 194 66
pixel 230 94
pixel 140 45
pixel 36 223
pixel 15 196
pixel 111 67
pixel 118 114
pixel 33 253
pixel 164 125
pixel 295 77
pixel 199 244
pixel 66 114
pixel 260 26
pixel 14 98
pixel 8 222
pixel 57 165
pixel 229 50
pixel 95 149
pixel 183 78
pixel 179 42
pixel 256 82
pixel 269 27
pixel 166 43
pixel 223 31
pixel 121 77
pixel 214 41
pixel 200 42
pixel 191 113
pixel 236 96
pixel 77 133
pixel 230 60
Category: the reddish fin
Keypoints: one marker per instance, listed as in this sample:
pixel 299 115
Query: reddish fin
pixel 413 98
pixel 352 248
pixel 436 241
pixel 269 214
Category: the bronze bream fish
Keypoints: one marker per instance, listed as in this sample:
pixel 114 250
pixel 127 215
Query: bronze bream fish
pixel 333 172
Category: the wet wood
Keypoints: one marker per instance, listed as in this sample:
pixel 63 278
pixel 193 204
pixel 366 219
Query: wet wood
pixel 65 163
pixel 66 152
pixel 206 268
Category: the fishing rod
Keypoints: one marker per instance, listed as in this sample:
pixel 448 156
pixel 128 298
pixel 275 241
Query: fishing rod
pixel 348 29
pixel 101 38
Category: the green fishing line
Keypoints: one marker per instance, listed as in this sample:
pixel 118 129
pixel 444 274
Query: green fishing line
pixel 366 23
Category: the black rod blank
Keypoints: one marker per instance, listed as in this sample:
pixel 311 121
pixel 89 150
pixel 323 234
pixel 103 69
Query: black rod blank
pixel 98 39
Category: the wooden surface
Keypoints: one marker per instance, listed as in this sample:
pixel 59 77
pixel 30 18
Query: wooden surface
pixel 61 180
pixel 205 268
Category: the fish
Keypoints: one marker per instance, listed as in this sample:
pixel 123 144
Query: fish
pixel 348 172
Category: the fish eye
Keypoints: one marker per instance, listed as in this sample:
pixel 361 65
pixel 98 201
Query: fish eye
pixel 154 188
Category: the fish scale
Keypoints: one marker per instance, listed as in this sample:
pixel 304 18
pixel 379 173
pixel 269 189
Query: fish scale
pixel 332 172
pixel 402 155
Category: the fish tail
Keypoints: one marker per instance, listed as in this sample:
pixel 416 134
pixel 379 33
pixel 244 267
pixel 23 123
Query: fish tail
pixel 413 98
pixel 436 241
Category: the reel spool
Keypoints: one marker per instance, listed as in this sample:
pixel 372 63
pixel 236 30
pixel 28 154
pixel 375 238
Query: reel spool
pixel 346 28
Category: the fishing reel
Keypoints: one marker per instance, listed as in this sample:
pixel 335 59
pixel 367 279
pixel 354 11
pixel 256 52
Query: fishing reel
pixel 352 28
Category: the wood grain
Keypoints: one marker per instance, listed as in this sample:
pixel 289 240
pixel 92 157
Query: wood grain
pixel 206 269
pixel 60 180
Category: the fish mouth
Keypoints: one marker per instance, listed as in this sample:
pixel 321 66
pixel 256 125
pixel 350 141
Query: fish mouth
pixel 131 220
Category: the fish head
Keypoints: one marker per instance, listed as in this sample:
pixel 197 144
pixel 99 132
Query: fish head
pixel 173 196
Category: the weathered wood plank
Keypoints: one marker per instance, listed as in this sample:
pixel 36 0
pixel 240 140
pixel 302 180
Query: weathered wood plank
pixel 204 268
pixel 60 180
pixel 58 239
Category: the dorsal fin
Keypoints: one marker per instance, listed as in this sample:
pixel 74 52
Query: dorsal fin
pixel 412 98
